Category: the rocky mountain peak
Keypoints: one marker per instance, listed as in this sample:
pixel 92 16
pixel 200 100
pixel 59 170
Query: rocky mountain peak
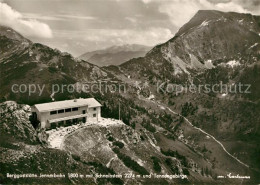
pixel 211 38
pixel 203 16
pixel 11 34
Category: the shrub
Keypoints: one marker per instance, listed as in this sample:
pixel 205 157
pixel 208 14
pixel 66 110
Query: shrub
pixel 156 164
pixel 186 171
pixel 148 126
pixel 119 144
pixel 172 167
pixel 130 163
pixel 75 157
pixel 52 69
pixel 110 138
pixel 171 153
pixel 133 125
pixel 35 123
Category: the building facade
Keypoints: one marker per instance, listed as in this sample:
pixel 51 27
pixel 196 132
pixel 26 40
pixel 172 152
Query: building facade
pixel 68 112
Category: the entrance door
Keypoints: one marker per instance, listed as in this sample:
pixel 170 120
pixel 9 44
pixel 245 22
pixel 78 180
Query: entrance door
pixel 84 119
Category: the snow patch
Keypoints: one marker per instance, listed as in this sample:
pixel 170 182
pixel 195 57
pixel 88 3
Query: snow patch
pixel 109 162
pixel 233 63
pixel 241 21
pixel 30 53
pixel 162 107
pixel 223 19
pixel 204 23
pixel 151 97
pixel 224 94
pixel 255 44
pixel 140 162
pixel 209 64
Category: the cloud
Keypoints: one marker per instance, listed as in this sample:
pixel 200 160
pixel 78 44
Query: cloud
pixel 42 17
pixel 131 19
pixel 231 6
pixel 180 11
pixel 146 1
pixel 27 27
pixel 150 36
pixel 76 17
pixel 56 17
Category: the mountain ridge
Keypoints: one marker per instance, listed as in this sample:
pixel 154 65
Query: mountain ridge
pixel 40 64
pixel 204 45
pixel 199 17
pixel 115 55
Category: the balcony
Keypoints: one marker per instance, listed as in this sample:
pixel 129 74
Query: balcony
pixel 67 118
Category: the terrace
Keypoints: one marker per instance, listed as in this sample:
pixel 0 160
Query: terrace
pixel 57 136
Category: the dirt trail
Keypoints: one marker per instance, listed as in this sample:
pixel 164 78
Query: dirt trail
pixel 222 146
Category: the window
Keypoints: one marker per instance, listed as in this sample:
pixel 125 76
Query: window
pixel 67 110
pixel 94 109
pixel 61 123
pixel 53 125
pixel 94 115
pixel 60 111
pixel 75 109
pixel 84 112
pixel 53 112
pixel 68 123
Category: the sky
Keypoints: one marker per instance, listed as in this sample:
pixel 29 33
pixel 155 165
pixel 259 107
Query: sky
pixel 78 26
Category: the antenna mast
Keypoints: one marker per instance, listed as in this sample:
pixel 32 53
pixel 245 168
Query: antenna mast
pixel 119 111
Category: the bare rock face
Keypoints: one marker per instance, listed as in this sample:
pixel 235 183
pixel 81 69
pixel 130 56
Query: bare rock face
pixel 15 123
pixel 11 42
pixel 213 35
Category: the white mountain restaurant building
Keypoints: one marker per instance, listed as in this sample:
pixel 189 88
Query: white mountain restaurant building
pixel 68 112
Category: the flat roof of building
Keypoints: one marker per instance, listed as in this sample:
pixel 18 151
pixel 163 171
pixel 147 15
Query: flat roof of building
pixel 45 107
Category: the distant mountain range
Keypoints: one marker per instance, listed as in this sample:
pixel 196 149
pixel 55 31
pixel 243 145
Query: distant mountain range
pixel 115 55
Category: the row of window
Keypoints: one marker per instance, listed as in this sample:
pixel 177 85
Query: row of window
pixel 64 110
